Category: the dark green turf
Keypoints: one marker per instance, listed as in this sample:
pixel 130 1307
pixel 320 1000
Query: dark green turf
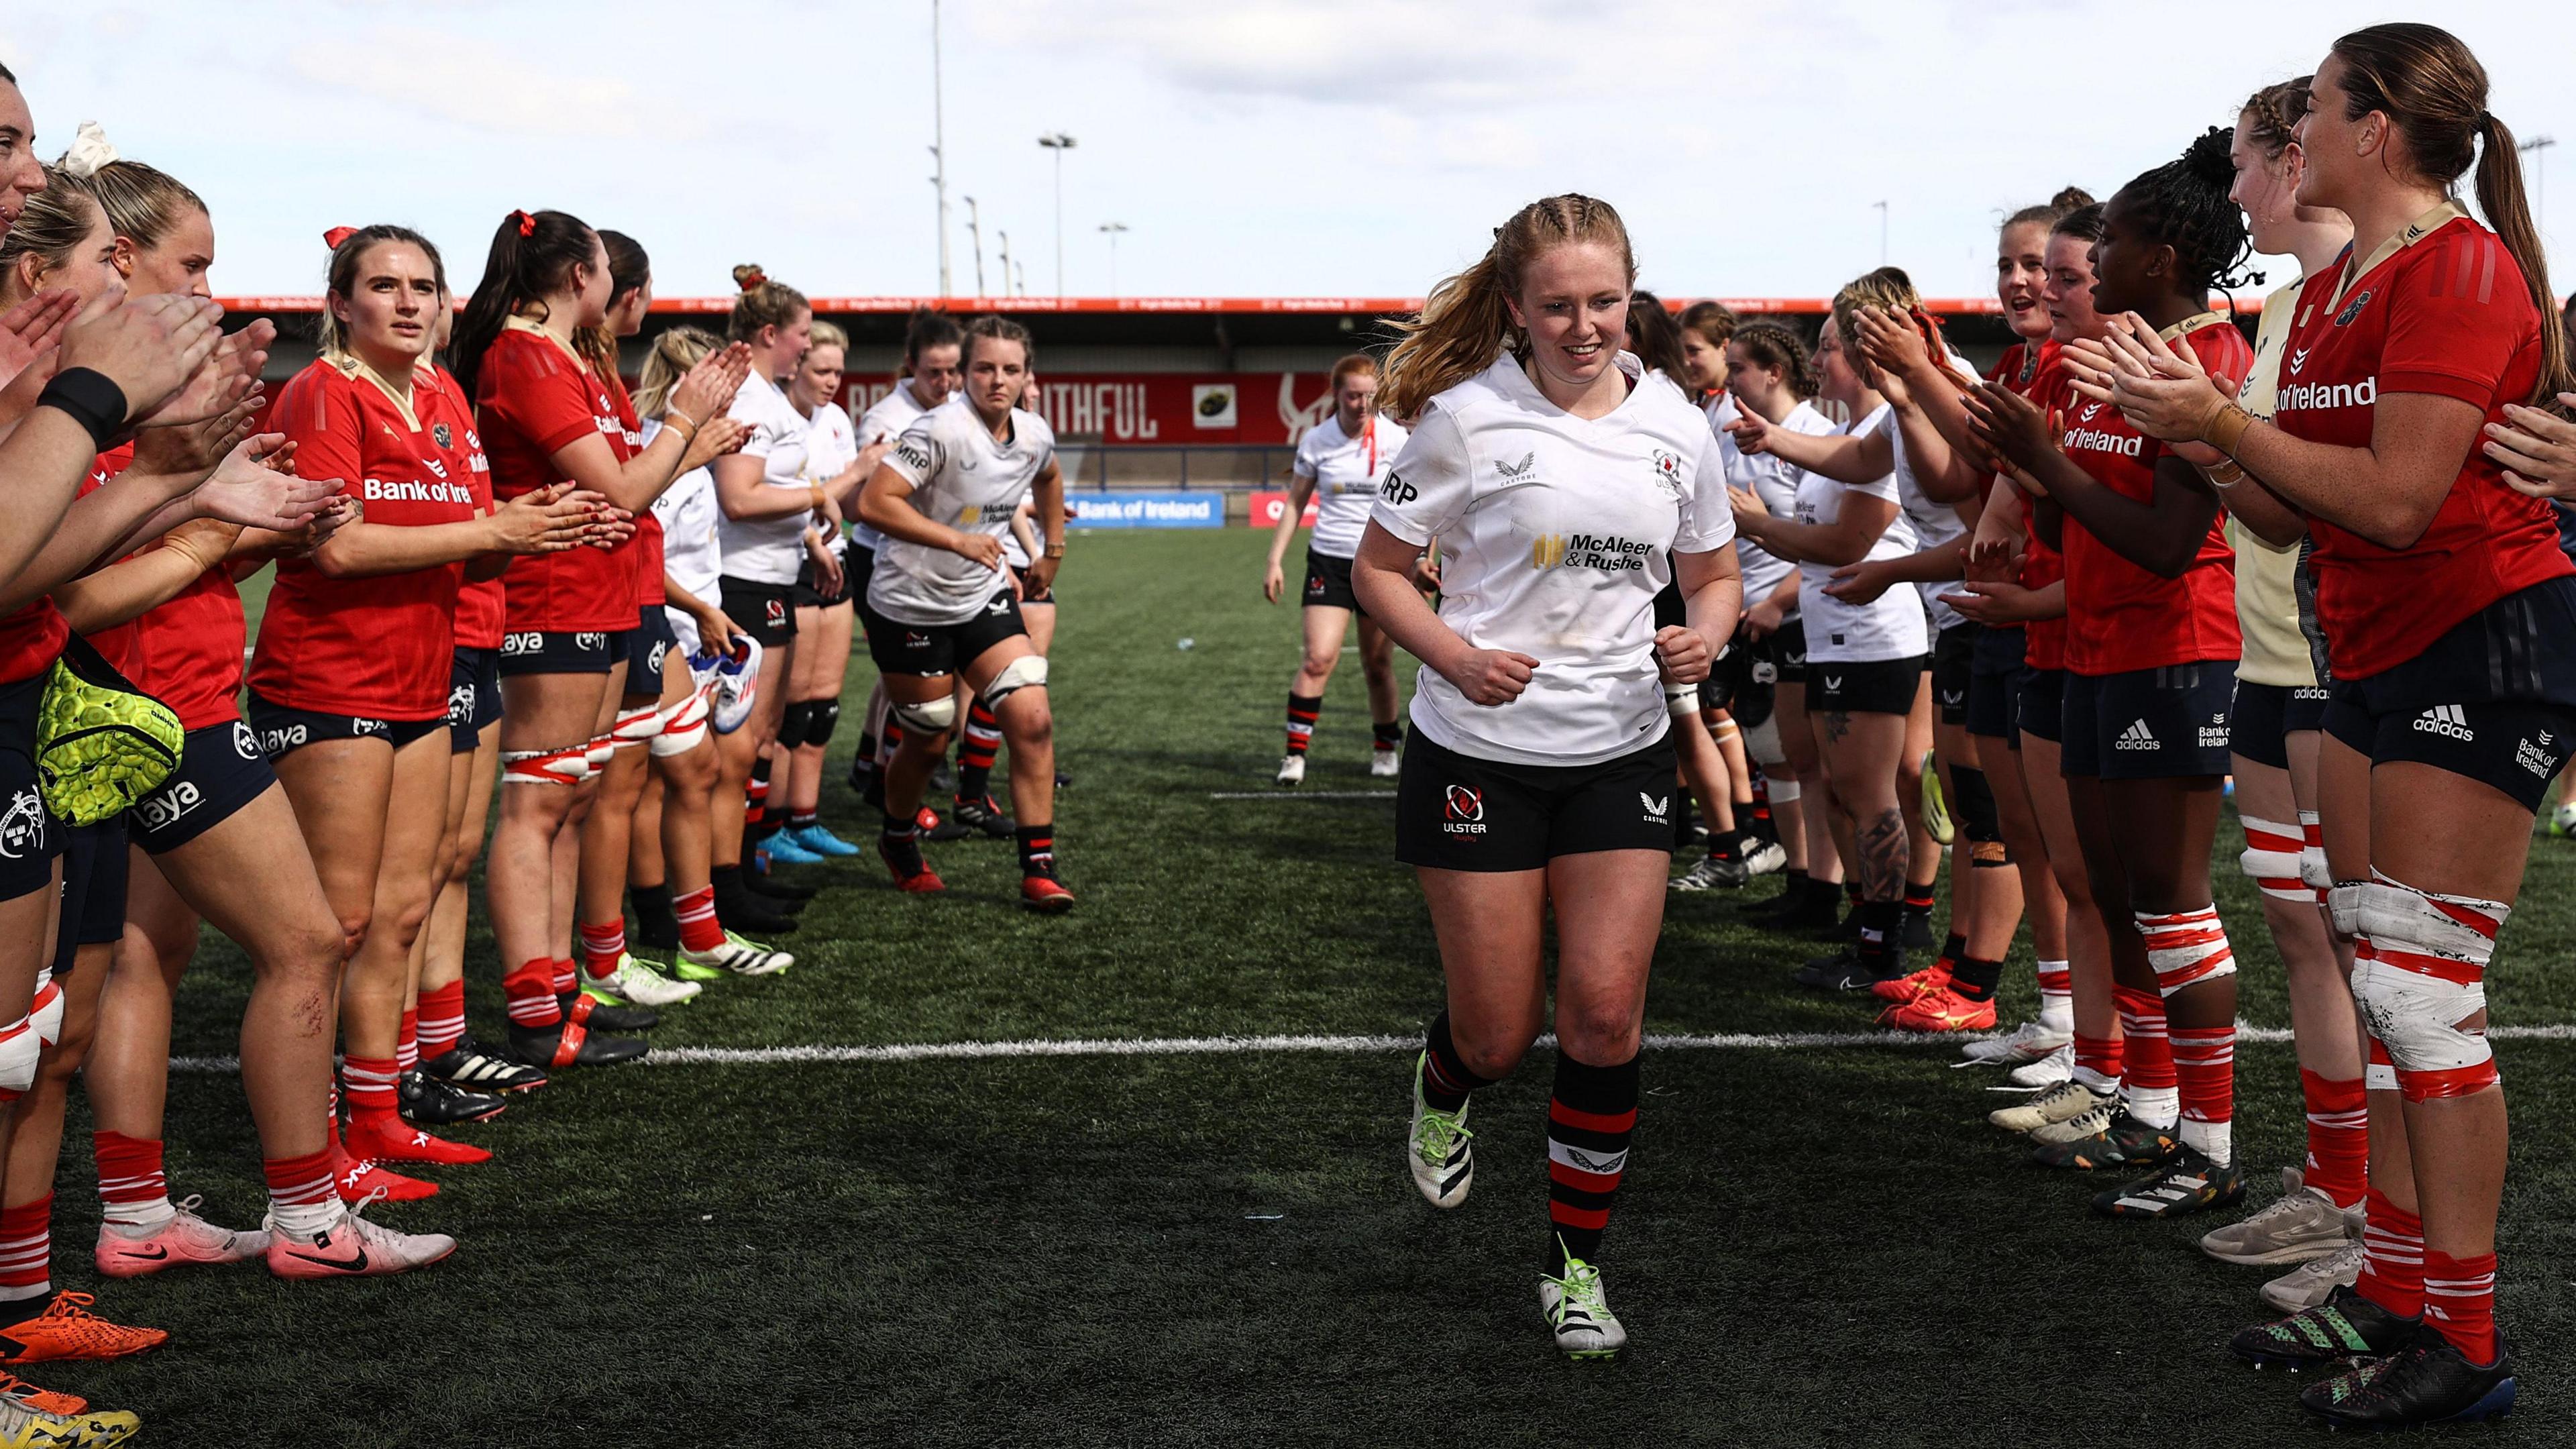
pixel 1067 1250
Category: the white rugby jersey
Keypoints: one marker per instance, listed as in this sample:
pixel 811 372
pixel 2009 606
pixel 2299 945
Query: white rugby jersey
pixel 963 477
pixel 691 554
pixel 1890 627
pixel 884 422
pixel 1934 523
pixel 769 550
pixel 1347 473
pixel 1554 534
pixel 831 445
pixel 1772 479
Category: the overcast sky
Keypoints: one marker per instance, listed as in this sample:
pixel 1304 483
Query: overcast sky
pixel 1253 147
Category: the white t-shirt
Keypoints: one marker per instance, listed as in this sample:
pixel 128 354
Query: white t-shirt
pixel 1934 523
pixel 1892 625
pixel 963 477
pixel 884 422
pixel 687 509
pixel 1555 535
pixel 1347 472
pixel 831 445
pixel 1772 479
pixel 769 550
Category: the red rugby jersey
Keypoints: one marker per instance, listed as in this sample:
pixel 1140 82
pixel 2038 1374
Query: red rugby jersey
pixel 2043 640
pixel 2121 617
pixel 2441 309
pixel 186 652
pixel 478 602
pixel 644 552
pixel 380 647
pixel 533 398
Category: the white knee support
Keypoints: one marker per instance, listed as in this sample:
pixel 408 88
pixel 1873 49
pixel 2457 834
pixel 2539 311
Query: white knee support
pixel 2312 854
pixel 2343 903
pixel 46 1008
pixel 929 717
pixel 1762 745
pixel 683 725
pixel 2419 972
pixel 2272 860
pixel 567 766
pixel 1782 788
pixel 2186 948
pixel 1027 671
pixel 1682 700
pixel 19 1049
pixel 636 727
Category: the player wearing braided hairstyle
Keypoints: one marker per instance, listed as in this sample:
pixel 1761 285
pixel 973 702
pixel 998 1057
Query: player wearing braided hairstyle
pixel 2151 654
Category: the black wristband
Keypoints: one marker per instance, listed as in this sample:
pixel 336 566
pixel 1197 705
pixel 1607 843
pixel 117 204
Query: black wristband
pixel 93 400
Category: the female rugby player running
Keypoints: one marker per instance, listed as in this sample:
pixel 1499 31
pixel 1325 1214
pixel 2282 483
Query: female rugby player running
pixel 1340 464
pixel 942 607
pixel 930 377
pixel 2449 611
pixel 1564 485
pixel 2274 741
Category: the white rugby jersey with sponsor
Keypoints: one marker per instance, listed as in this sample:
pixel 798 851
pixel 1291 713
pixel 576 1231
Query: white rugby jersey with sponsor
pixel 1554 536
pixel 1347 472
pixel 1891 626
pixel 831 445
pixel 769 550
pixel 883 422
pixel 964 477
pixel 691 552
pixel 1772 479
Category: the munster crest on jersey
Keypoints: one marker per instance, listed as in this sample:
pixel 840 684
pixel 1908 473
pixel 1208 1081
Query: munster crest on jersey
pixel 445 435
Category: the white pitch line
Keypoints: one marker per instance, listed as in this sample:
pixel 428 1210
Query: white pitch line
pixel 1301 794
pixel 1328 1045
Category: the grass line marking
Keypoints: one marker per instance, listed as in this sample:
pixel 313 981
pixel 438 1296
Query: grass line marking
pixel 1332 1045
pixel 1301 794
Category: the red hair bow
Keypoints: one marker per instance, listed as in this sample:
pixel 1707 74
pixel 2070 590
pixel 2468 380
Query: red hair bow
pixel 527 223
pixel 337 235
pixel 754 280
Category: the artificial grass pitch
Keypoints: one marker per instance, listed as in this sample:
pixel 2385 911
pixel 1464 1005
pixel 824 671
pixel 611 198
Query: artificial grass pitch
pixel 1224 1248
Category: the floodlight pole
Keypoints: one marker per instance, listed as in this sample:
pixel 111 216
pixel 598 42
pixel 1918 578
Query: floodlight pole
pixel 939 148
pixel 1113 229
pixel 975 230
pixel 1059 143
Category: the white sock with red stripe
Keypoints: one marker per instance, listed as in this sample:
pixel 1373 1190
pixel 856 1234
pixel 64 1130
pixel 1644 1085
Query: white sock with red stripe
pixel 131 1191
pixel 2056 996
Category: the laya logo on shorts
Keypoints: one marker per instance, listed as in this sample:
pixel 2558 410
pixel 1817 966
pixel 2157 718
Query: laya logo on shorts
pixel 279 741
pixel 1464 809
pixel 162 809
pixel 588 642
pixel 2446 719
pixel 22 829
pixel 1397 491
pixel 245 741
pixel 2538 759
pixel 1656 809
pixel 522 643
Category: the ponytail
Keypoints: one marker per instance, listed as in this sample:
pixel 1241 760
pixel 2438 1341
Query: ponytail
pixel 532 254
pixel 1466 323
pixel 2500 196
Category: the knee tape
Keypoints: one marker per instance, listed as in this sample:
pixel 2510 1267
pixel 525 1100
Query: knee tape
pixel 1782 788
pixel 2312 854
pixel 930 717
pixel 794 721
pixel 599 751
pixel 683 725
pixel 636 727
pixel 19 1049
pixel 1762 745
pixel 567 766
pixel 2272 860
pixel 2186 948
pixel 1681 700
pixel 1022 673
pixel 1724 729
pixel 2419 972
pixel 1975 806
pixel 825 719
pixel 45 1009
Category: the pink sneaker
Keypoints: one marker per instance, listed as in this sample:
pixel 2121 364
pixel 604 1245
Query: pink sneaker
pixel 186 1238
pixel 352 1248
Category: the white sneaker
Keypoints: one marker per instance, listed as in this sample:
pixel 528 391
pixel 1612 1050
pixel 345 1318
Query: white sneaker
pixel 2062 1103
pixel 1384 764
pixel 1766 859
pixel 737 685
pixel 2298 1227
pixel 2312 1282
pixel 635 984
pixel 2058 1066
pixel 2029 1042
pixel 741 957
pixel 352 1248
pixel 1437 1148
pixel 1579 1313
pixel 1292 769
pixel 2092 1121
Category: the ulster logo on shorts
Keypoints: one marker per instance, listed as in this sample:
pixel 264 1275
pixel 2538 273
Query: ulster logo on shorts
pixel 1463 811
pixel 775 612
pixel 915 639
pixel 22 829
pixel 2446 719
pixel 245 741
pixel 512 644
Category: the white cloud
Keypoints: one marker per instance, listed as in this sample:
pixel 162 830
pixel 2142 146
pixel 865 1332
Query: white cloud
pixel 489 88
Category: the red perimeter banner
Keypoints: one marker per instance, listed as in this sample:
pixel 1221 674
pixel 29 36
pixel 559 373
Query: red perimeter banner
pixel 1268 505
pixel 1167 409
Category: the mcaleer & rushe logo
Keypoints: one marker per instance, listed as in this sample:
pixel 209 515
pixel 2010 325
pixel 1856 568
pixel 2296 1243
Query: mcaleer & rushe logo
pixel 1607 552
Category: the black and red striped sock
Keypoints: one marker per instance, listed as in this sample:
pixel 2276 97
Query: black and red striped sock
pixel 1975 980
pixel 1037 850
pixel 1302 710
pixel 975 750
pixel 1446 1081
pixel 1590 1117
pixel 1386 734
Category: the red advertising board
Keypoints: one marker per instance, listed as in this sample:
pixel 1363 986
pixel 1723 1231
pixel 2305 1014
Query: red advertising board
pixel 1267 505
pixel 1167 409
